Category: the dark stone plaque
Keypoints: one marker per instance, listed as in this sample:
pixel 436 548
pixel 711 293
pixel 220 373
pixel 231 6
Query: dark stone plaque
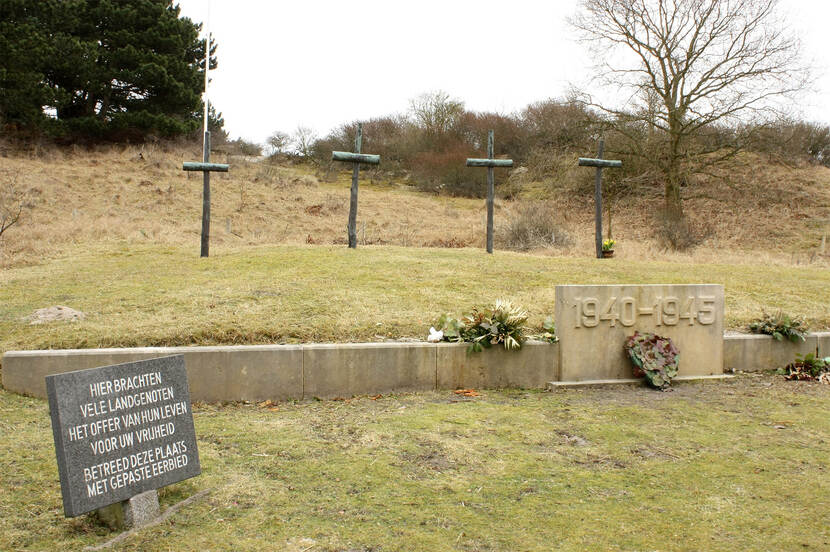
pixel 121 430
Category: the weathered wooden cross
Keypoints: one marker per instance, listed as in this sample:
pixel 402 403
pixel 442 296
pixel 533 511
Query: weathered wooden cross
pixel 355 159
pixel 206 167
pixel 491 164
pixel 600 164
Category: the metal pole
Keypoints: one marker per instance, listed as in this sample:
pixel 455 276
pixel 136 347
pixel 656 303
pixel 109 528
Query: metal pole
pixel 491 192
pixel 206 201
pixel 207 64
pixel 353 199
pixel 598 200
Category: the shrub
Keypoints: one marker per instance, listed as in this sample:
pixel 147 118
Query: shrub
pixel 241 146
pixel 533 226
pixel 654 357
pixel 445 172
pixel 780 326
pixel 683 234
pixel 504 323
pixel 809 368
pixel 13 201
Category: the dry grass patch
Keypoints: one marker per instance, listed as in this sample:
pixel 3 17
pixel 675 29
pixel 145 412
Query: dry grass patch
pixel 143 296
pixel 727 466
pixel 140 195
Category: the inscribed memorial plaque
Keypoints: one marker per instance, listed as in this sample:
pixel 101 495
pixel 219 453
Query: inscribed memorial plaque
pixel 593 322
pixel 121 430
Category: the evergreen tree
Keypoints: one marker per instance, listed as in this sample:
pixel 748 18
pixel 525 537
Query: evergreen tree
pixel 102 68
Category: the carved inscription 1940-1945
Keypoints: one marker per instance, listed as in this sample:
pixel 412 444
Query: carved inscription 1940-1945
pixel 593 322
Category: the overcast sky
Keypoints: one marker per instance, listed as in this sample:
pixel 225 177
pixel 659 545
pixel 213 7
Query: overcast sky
pixel 320 63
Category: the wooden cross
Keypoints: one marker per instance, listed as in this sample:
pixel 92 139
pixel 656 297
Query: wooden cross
pixel 490 163
pixel 206 167
pixel 355 159
pixel 600 164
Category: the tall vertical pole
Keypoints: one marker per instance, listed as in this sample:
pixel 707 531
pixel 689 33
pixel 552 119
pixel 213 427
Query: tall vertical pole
pixel 598 199
pixel 358 143
pixel 206 149
pixel 206 201
pixel 207 65
pixel 491 193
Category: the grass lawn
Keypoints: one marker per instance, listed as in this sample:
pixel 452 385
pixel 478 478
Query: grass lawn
pixel 737 465
pixel 154 295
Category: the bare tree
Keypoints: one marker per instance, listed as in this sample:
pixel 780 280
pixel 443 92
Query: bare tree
pixel 436 112
pixel 12 202
pixel 279 142
pixel 303 141
pixel 691 68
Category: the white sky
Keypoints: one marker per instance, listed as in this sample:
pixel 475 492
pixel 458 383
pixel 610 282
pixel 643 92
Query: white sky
pixel 320 63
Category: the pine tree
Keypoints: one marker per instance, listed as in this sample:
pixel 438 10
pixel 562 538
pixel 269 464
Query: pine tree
pixel 102 68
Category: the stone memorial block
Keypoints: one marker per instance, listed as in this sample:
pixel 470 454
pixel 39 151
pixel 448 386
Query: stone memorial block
pixel 121 430
pixel 594 321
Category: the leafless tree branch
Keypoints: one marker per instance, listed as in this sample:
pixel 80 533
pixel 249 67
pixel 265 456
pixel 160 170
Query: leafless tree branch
pixel 691 66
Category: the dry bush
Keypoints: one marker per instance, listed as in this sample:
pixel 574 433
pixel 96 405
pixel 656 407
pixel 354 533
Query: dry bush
pixel 559 166
pixel 792 142
pixel 13 202
pixel 534 226
pixel 557 124
pixel 446 173
pixel 684 234
pixel 242 147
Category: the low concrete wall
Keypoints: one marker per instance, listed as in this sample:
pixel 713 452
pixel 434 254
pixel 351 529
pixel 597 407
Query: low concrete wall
pixel 248 372
pixel 531 367
pixel 755 353
pixel 346 370
pixel 284 372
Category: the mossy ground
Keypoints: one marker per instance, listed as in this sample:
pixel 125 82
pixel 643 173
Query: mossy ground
pixel 736 465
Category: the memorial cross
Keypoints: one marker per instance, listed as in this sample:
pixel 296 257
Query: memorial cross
pixel 355 159
pixel 206 166
pixel 600 164
pixel 491 164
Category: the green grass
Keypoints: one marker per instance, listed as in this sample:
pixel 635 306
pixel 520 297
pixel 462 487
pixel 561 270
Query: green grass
pixel 143 295
pixel 740 465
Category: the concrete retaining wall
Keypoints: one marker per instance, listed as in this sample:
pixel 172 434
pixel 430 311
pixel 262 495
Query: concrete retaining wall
pixel 755 353
pixel 285 372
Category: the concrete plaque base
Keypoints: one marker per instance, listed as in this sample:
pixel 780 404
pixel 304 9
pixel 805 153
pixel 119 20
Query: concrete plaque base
pixel 593 323
pixel 137 511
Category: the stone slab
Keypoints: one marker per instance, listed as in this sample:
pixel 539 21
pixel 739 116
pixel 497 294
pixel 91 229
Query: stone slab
pixel 121 430
pixel 215 374
pixel 756 353
pixel 137 511
pixel 341 371
pixel 554 385
pixel 532 366
pixel 593 322
pixel 823 341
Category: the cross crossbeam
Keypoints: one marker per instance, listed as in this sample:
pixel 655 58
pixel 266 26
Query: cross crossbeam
pixel 355 159
pixel 209 167
pixel 349 157
pixel 600 164
pixel 491 163
pixel 506 163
